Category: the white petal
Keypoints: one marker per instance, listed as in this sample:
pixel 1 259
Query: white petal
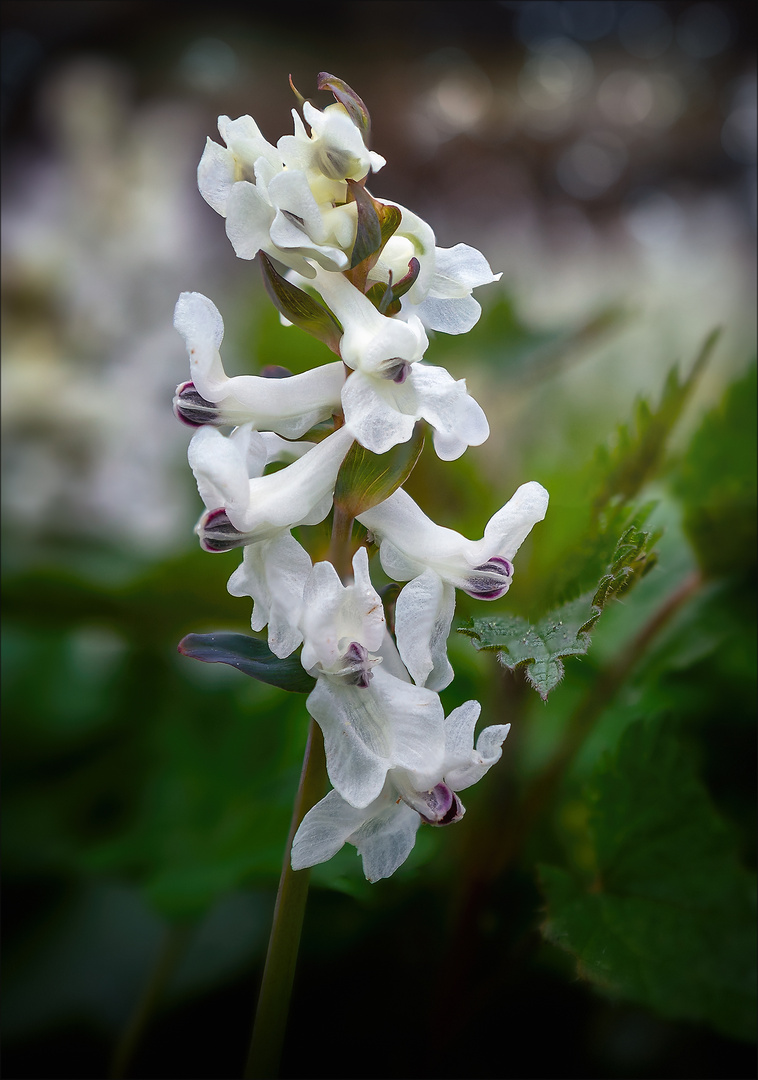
pixel 199 322
pixel 391 724
pixel 377 161
pixel 423 616
pixel 322 598
pixel 449 316
pixel 370 339
pixel 324 830
pixel 509 527
pixel 241 129
pixel 299 494
pixel 382 413
pixel 290 193
pixel 289 406
pixel 215 176
pixel 386 839
pixel 279 449
pixel 248 220
pixel 411 542
pixel 457 419
pixel 459 734
pixel 391 662
pixel 488 751
pixel 220 466
pixel 458 270
pixel 334 615
pixel 274 573
pixel 375 410
pixel 413 231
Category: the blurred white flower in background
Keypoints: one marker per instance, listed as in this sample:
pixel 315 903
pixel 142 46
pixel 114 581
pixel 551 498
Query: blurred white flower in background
pixel 97 233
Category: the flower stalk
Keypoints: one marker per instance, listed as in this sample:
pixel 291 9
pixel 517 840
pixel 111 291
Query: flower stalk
pixel 348 434
pixel 269 1028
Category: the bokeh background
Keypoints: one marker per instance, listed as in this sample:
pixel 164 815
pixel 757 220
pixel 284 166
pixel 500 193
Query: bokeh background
pixel 603 156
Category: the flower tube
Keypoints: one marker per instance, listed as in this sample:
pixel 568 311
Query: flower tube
pixel 288 406
pixel 245 508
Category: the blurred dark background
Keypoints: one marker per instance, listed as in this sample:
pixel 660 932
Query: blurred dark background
pixel 602 155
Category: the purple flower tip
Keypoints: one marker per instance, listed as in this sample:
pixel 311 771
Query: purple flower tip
pixel 217 532
pixel 192 408
pixel 357 670
pixel 397 369
pixel 443 805
pixel 491 580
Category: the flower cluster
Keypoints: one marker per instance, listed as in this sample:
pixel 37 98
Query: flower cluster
pixel 366 277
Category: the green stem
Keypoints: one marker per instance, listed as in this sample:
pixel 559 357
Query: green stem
pixel 171 949
pixel 279 972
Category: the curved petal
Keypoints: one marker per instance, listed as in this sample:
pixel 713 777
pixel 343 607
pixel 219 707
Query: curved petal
pixel 299 494
pixel 324 830
pixel 458 270
pixel 390 724
pixel 249 216
pixel 199 322
pixel 336 615
pixel 288 406
pixel 510 526
pixel 248 219
pixel 382 413
pixel 222 465
pixel 455 315
pixel 379 412
pixel 215 175
pixel 423 617
pixel 371 342
pixel 458 421
pixel 273 573
pixel 488 751
pixel 386 839
pixel 410 542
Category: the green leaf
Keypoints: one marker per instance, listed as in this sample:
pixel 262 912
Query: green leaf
pixel 598 499
pixel 639 448
pixel 386 297
pixel 669 920
pixel 346 96
pixel 565 631
pixel 716 482
pixel 251 656
pixel 368 236
pixel 300 308
pixel 366 479
pixel 389 218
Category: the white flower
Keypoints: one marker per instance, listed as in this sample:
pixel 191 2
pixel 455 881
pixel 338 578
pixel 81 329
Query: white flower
pixel 244 506
pixel 389 390
pixel 290 201
pixel 332 153
pixel 337 617
pixel 373 719
pixel 441 294
pixel 436 561
pixel 222 167
pixel 384 832
pixel 372 343
pixel 288 406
